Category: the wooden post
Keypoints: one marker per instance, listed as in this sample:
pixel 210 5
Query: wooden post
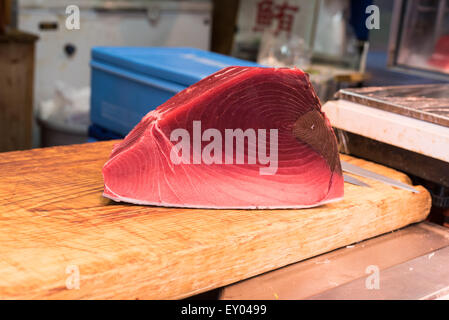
pixel 16 90
pixel 2 17
pixel 5 14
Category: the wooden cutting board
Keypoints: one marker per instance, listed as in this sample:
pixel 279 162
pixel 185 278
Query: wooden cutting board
pixel 56 229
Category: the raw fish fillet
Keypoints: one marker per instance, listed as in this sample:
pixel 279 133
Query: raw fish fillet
pixel 278 101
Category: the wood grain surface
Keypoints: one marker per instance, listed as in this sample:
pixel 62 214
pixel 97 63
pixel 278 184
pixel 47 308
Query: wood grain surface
pixel 55 222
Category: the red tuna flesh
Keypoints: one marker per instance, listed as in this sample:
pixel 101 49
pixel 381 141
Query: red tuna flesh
pixel 306 173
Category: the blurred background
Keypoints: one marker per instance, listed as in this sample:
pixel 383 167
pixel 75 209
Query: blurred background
pixel 327 38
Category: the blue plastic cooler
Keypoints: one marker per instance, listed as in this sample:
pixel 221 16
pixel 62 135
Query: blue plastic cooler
pixel 128 82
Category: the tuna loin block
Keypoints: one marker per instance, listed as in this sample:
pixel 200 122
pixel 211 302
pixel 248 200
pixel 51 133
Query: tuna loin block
pixel 243 137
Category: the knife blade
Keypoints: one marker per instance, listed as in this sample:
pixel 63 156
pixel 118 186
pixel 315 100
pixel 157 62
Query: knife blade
pixel 350 168
pixel 355 181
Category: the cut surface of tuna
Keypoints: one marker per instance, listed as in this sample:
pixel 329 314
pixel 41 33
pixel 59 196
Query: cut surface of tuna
pixel 244 137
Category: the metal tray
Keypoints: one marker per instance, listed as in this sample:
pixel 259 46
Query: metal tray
pixel 424 102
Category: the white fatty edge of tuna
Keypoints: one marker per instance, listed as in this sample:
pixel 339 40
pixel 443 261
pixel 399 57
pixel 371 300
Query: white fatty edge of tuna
pixel 161 204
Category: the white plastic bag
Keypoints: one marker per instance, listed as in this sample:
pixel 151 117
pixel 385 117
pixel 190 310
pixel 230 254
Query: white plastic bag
pixel 70 106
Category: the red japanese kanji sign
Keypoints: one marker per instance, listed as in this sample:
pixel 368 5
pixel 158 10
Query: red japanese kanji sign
pixel 267 11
